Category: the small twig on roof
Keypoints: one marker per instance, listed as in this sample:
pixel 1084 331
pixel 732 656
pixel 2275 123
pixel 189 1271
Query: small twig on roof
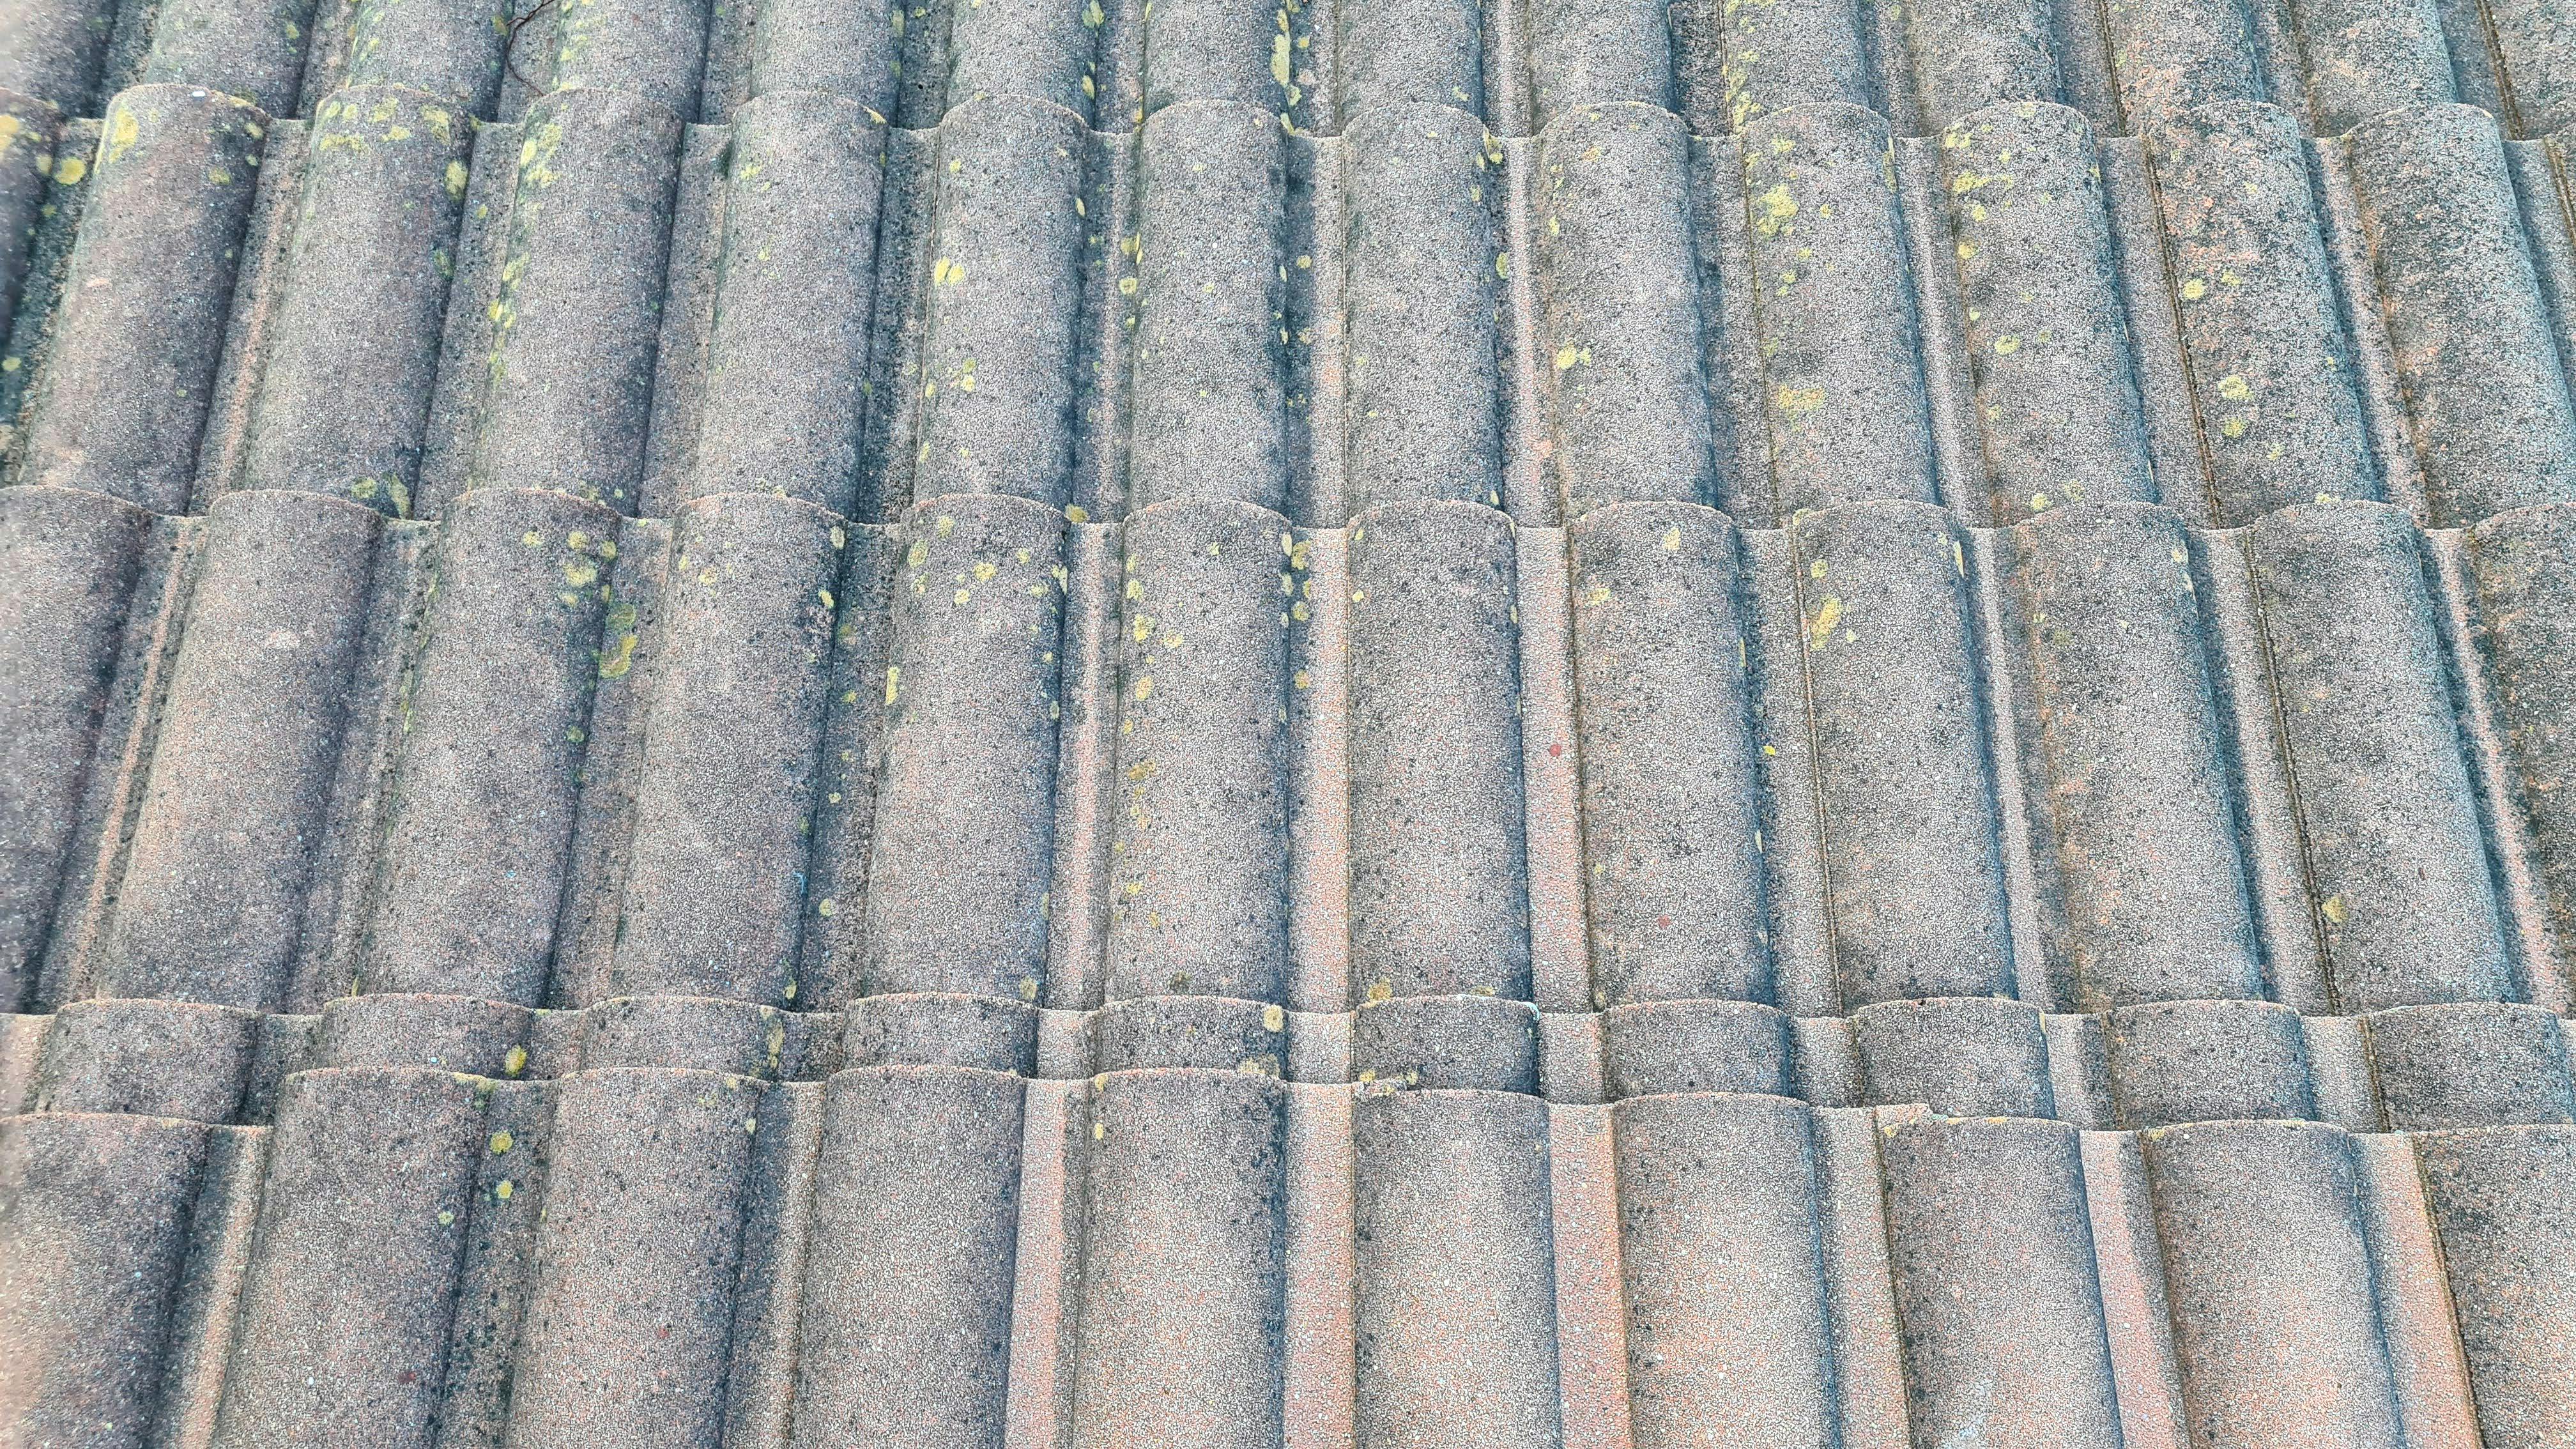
pixel 510 42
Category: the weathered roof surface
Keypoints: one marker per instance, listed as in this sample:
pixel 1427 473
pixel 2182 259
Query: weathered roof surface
pixel 1398 726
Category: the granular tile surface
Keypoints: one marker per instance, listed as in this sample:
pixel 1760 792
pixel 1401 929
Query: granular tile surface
pixel 1398 724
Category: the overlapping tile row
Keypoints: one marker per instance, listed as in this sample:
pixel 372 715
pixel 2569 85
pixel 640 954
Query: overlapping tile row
pixel 397 304
pixel 1432 765
pixel 687 1222
pixel 758 977
pixel 1318 66
pixel 749 758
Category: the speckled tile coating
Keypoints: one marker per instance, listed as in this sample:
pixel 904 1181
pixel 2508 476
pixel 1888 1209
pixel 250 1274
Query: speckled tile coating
pixel 1342 724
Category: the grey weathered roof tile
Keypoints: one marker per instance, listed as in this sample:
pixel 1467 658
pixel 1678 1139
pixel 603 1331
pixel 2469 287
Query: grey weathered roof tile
pixel 1963 1056
pixel 2194 1061
pixel 449 48
pixel 1649 1048
pixel 2405 904
pixel 567 387
pixel 495 720
pixel 2499 1198
pixel 253 49
pixel 96 1211
pixel 351 351
pixel 2266 1263
pixel 724 775
pixel 1455 1317
pixel 1438 893
pixel 347 1305
pixel 1060 745
pixel 224 843
pixel 971 723
pixel 131 361
pixel 1997 1299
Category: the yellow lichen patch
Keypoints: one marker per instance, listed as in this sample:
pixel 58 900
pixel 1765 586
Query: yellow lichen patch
pixel 70 172
pixel 515 1061
pixel 2334 911
pixel 123 130
pixel 1828 615
pixel 946 273
pixel 617 658
pixel 504 1189
pixel 1797 402
pixel 502 1142
pixel 2233 387
pixel 1273 1018
pixel 1778 206
pixel 1673 539
pixel 1380 989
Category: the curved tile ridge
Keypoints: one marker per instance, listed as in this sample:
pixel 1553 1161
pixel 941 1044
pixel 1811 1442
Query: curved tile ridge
pixel 1669 805
pixel 76 559
pixel 2535 66
pixel 1438 889
pixel 786 359
pixel 2047 334
pixel 1914 879
pixel 1621 314
pixel 959 1224
pixel 2109 612
pixel 351 348
pixel 2499 1200
pixel 1423 416
pixel 123 389
pixel 1317 324
pixel 2474 344
pixel 1118 64
pixel 568 385
pixel 2395 847
pixel 2263 1232
pixel 500 765
pixel 1198 898
pixel 1209 396
pixel 1842 378
pixel 2274 384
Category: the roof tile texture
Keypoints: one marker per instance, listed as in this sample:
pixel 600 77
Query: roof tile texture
pixel 1367 726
